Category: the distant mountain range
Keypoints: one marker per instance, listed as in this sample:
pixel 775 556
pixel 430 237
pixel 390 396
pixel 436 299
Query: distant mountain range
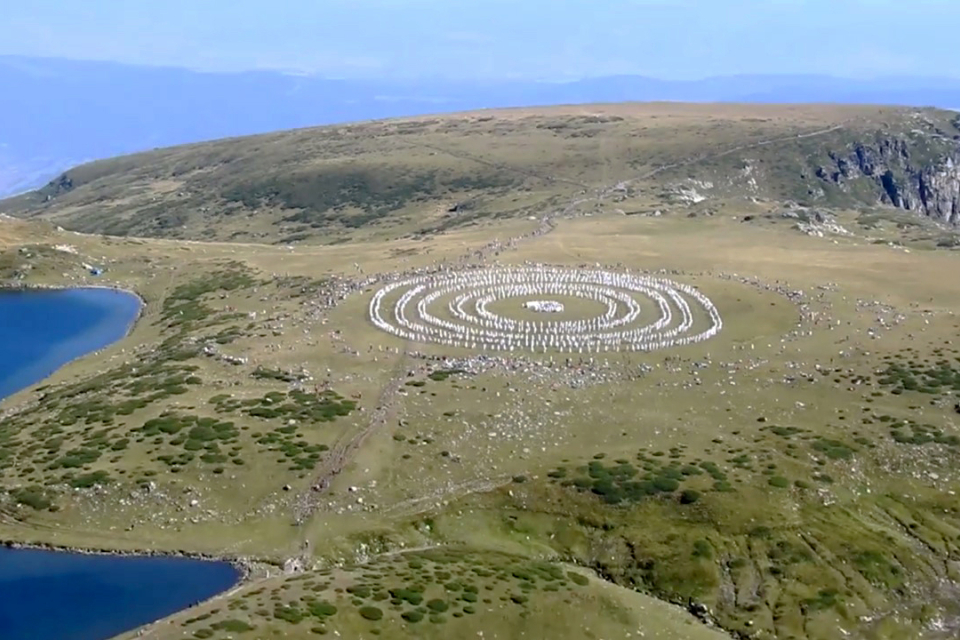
pixel 57 113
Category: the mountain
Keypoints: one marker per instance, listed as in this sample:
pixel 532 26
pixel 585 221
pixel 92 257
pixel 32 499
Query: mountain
pixel 57 113
pixel 425 175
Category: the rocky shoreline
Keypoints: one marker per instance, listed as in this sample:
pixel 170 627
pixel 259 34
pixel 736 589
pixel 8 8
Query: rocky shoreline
pixel 244 565
pixel 32 286
pixel 24 286
pixel 36 286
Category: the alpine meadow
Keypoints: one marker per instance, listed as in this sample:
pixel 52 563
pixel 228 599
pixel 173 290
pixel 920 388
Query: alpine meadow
pixel 639 370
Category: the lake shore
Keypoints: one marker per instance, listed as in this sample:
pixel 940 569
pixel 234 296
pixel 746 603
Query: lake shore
pixel 15 538
pixel 34 286
pixel 246 566
pixel 22 287
pixel 146 590
pixel 242 564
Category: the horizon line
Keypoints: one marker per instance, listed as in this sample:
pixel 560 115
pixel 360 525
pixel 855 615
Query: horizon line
pixel 313 74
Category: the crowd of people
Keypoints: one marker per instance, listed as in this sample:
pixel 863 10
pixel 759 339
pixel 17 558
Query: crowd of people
pixel 470 322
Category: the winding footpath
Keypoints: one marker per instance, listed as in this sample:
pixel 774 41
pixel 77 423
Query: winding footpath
pixel 342 452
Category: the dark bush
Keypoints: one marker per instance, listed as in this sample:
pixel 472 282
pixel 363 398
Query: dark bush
pixel 578 579
pixel 322 609
pixel 412 616
pixel 371 613
pixel 665 484
pixel 438 605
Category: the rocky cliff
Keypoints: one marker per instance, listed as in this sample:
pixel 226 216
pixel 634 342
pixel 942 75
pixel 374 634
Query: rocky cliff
pixel 918 171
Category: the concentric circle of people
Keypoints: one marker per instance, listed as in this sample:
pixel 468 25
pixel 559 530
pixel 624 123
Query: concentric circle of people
pixel 623 326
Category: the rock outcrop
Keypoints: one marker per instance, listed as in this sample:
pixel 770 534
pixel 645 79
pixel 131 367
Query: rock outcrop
pixel 919 173
pixel 60 185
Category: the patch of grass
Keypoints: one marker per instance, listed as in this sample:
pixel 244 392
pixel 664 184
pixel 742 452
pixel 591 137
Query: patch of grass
pixel 825 599
pixel 92 479
pixel 779 482
pixel 277 375
pixel 33 496
pixel 442 374
pixel 233 626
pixel 621 482
pixel 293 615
pixel 576 578
pixel 909 432
pixel 702 549
pixel 833 448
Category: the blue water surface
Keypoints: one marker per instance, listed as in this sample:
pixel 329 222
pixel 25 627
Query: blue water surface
pixel 40 331
pixel 47 595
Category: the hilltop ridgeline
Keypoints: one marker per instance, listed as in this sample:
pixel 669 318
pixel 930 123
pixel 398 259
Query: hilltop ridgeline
pixel 426 175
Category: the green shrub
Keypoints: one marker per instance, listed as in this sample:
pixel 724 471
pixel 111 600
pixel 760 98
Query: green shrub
pixel 826 599
pixel 33 496
pixel 90 480
pixel 321 609
pixel 409 595
pixel 371 613
pixel 833 448
pixel 665 484
pixel 77 458
pixel 412 616
pixel 440 376
pixel 234 626
pixel 578 579
pixel 290 614
pixel 702 549
pixel 360 591
pixel 437 605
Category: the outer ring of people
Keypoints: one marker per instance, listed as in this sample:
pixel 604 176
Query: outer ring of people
pixel 641 313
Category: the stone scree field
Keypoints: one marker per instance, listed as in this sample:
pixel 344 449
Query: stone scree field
pixel 581 425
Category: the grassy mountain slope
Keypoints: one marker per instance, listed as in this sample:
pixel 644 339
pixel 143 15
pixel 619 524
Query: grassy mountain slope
pixel 398 177
pixel 792 478
pixel 120 108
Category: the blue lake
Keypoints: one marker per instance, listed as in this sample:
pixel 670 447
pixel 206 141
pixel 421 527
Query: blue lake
pixel 48 595
pixel 40 331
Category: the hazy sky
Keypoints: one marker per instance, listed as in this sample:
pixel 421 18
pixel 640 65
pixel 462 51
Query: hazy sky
pixel 549 39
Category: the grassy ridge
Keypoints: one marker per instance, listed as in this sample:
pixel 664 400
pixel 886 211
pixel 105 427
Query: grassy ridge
pixel 425 175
